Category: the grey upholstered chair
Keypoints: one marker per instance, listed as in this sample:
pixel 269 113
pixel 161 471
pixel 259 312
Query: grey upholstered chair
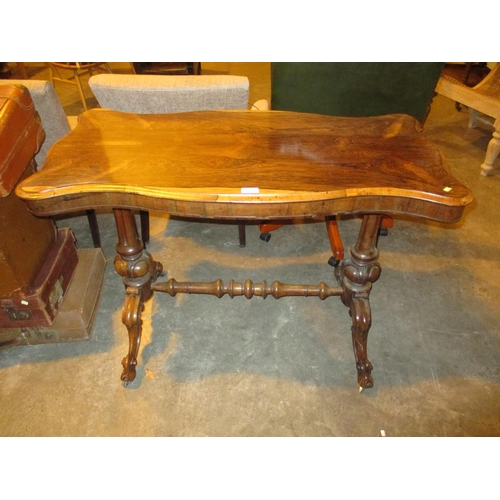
pixel 155 94
pixel 170 93
pixel 56 125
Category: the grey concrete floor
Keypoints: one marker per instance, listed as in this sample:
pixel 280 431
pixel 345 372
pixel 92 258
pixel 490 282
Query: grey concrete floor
pixel 238 367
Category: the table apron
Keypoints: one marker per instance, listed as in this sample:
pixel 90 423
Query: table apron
pixel 391 205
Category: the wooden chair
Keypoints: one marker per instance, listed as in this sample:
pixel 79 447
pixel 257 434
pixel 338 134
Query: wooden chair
pixel 483 101
pixel 159 94
pixel 351 89
pixel 76 70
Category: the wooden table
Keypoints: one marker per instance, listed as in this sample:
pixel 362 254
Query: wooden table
pixel 247 165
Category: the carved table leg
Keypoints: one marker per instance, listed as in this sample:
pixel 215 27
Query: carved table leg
pixel 138 270
pixel 356 275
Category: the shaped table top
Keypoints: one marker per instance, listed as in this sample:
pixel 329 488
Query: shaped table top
pixel 246 164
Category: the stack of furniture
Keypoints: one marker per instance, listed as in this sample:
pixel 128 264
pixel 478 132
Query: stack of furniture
pixel 56 125
pixel 49 290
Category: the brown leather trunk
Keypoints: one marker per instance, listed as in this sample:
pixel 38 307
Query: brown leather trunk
pixel 25 239
pixel 37 304
pixel 76 315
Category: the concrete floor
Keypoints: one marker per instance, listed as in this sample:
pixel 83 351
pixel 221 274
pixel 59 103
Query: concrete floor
pixel 237 367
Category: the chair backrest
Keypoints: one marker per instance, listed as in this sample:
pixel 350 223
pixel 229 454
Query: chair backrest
pixel 49 107
pixel 354 89
pixel 170 93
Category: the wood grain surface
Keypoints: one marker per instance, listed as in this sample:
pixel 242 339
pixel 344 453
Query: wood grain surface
pixel 201 164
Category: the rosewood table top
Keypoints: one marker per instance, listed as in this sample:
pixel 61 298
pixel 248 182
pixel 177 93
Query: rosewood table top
pixel 247 165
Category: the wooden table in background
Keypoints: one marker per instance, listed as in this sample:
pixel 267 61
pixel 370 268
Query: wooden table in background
pixel 246 165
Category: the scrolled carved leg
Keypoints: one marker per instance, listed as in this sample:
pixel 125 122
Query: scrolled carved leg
pixel 131 318
pixel 356 275
pixel 361 321
pixel 138 271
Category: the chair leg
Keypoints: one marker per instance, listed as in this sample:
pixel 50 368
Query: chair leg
pixel 387 222
pixel 242 235
pixel 492 152
pixel 266 228
pixel 473 115
pixel 335 241
pixel 80 90
pixel 94 228
pixel 144 226
pixel 51 74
